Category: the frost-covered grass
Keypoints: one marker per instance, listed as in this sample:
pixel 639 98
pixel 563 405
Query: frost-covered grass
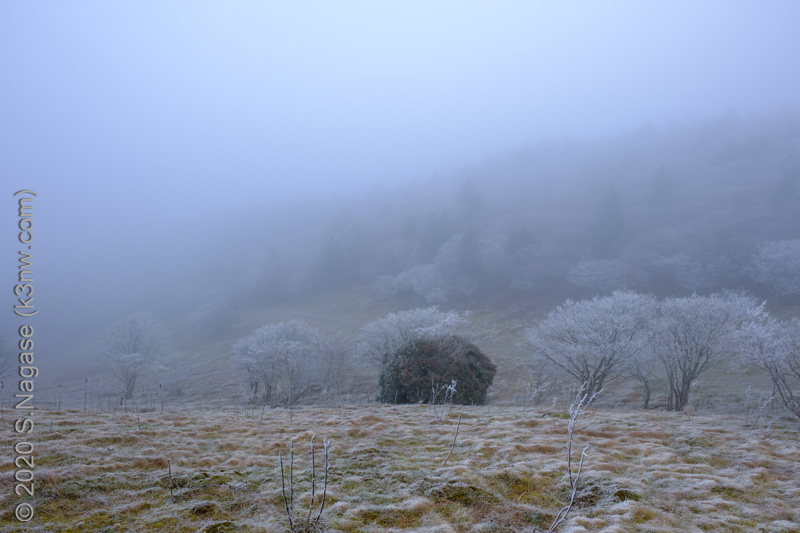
pixel 645 471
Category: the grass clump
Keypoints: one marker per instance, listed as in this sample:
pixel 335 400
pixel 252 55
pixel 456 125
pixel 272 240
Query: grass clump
pixel 504 474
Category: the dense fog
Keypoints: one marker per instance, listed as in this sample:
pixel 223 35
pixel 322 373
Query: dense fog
pixel 203 162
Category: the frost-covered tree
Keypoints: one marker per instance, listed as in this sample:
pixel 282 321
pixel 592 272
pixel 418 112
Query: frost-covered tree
pixel 423 282
pixel 603 275
pixel 438 228
pixel 381 338
pixel 459 264
pixel 608 231
pixel 597 340
pixel 336 363
pixel 469 200
pixel 606 275
pixel 282 360
pixel 775 345
pixel 456 271
pixel 692 335
pixel 646 370
pixel 686 271
pixel 132 346
pixel 777 265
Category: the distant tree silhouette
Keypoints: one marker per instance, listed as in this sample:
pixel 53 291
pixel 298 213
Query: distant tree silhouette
pixel 608 230
pixel 777 265
pixel 662 189
pixel 517 239
pixel 132 346
pixel 282 361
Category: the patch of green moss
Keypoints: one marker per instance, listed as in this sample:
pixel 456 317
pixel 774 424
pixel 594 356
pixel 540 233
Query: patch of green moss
pixel 94 522
pixel 206 508
pixel 692 459
pixel 625 494
pixel 588 496
pixel 717 461
pixel 455 512
pixel 517 487
pixel 104 483
pixel 643 514
pixel 389 517
pixel 705 441
pixel 221 527
pixel 744 522
pixel 165 523
pixel 462 493
pixel 540 519
pixel 113 440
pixel 730 492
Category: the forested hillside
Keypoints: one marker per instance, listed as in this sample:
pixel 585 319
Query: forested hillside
pixel 689 208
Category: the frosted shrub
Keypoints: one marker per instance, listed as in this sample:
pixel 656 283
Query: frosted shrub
pixel 775 346
pixel 421 368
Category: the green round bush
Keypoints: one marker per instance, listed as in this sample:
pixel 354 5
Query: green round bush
pixel 422 364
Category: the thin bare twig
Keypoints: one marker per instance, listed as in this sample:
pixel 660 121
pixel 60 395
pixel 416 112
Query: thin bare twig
pixel 291 476
pixel 288 502
pixel 171 485
pixel 326 443
pixel 576 409
pixel 562 514
pixel 283 493
pixel 579 405
pixel 313 484
pixel 454 442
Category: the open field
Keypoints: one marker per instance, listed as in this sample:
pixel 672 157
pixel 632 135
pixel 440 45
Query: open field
pixel 645 471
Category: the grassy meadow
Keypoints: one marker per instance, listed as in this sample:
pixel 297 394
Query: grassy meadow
pixel 644 471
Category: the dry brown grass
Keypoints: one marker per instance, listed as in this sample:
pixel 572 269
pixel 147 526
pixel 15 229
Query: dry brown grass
pixel 646 471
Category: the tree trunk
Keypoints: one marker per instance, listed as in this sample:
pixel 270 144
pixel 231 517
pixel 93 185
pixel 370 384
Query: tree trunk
pixel 646 394
pixel 254 390
pixel 682 398
pixel 130 384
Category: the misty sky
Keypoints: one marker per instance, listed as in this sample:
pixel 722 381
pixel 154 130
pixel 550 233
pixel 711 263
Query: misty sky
pixel 150 98
pixel 135 120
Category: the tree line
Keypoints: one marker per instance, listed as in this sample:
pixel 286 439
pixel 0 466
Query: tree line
pixel 672 212
pixel 593 342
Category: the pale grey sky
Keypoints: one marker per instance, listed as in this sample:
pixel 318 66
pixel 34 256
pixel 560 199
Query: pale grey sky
pixel 134 120
pixel 143 98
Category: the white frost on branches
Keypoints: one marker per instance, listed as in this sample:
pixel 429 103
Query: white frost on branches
pixel 282 359
pixel 693 334
pixel 378 340
pixel 132 346
pixel 604 275
pixel 597 340
pixel 423 281
pixel 775 345
pixel 777 265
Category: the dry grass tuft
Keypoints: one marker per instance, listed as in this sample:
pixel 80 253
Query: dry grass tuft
pixel 647 471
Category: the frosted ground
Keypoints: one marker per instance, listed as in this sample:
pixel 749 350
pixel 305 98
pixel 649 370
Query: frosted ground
pixel 644 471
